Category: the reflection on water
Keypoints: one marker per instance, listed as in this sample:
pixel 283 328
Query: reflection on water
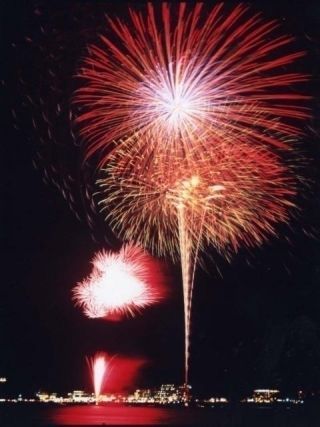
pixel 106 415
pixel 35 415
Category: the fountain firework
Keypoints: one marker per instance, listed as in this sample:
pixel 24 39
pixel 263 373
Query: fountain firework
pixel 98 366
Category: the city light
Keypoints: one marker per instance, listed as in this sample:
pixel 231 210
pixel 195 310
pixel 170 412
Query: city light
pixel 164 395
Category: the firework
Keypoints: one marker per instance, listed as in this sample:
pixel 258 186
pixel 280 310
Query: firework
pixel 230 197
pixel 98 365
pixel 120 283
pixel 233 195
pixel 192 75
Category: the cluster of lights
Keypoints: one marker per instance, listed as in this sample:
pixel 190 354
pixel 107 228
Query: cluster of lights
pixel 269 396
pixel 167 394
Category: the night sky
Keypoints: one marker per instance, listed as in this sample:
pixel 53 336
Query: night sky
pixel 256 326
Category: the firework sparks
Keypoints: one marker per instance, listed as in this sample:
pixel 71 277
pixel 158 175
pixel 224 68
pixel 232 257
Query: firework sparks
pixel 231 196
pixel 98 365
pixel 120 284
pixel 193 77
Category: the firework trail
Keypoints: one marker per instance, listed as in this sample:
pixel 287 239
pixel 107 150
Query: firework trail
pixel 120 284
pixel 98 366
pixel 231 196
pixel 192 75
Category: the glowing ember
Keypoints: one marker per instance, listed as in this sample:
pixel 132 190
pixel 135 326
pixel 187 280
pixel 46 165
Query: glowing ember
pixel 120 283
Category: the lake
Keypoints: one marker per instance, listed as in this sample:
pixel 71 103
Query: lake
pixel 22 415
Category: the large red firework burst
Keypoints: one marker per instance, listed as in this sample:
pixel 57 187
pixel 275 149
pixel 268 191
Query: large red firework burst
pixel 190 75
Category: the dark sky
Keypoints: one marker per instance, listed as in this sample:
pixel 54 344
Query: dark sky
pixel 258 325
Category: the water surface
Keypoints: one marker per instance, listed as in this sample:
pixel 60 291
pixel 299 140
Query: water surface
pixel 108 415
